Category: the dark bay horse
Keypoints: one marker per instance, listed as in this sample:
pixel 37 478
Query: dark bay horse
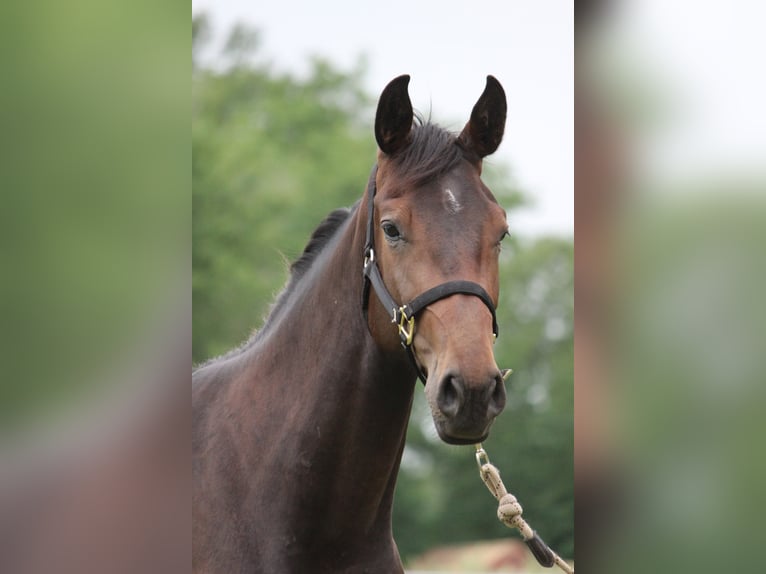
pixel 298 435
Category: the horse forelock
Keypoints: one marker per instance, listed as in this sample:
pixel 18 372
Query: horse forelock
pixel 432 152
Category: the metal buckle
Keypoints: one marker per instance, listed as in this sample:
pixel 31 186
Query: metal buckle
pixel 482 457
pixel 403 324
pixel 369 257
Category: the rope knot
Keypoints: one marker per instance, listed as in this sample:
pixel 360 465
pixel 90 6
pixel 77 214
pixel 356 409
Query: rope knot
pixel 508 509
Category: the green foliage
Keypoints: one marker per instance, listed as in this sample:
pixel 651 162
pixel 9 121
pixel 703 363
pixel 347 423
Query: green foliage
pixel 272 155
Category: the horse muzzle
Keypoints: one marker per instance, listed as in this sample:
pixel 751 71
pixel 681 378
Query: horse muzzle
pixel 464 409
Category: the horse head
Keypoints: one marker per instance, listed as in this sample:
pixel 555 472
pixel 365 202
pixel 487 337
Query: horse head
pixel 435 223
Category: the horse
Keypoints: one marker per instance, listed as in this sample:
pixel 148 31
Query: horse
pixel 298 434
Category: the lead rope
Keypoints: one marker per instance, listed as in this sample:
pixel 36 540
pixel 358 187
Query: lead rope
pixel 509 513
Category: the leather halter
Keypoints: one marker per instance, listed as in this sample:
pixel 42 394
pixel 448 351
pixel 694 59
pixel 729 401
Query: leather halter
pixel 404 315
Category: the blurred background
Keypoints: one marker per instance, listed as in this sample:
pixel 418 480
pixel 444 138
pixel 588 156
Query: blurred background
pixel 95 338
pixel 670 221
pixel 282 133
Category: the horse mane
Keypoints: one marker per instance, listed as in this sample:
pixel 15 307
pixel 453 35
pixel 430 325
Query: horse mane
pixel 432 152
pixel 319 238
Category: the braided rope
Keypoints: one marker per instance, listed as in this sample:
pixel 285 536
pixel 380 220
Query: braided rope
pixel 509 510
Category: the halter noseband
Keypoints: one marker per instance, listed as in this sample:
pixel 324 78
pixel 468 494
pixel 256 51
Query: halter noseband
pixel 404 315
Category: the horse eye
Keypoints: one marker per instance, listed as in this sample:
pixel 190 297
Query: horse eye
pixel 390 230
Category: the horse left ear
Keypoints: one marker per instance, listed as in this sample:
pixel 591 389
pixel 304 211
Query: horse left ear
pixel 484 131
pixel 393 119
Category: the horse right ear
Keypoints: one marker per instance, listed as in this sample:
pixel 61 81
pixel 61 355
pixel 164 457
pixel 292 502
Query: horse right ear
pixel 393 120
pixel 484 131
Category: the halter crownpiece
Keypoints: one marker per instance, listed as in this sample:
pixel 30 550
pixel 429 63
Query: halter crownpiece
pixel 404 315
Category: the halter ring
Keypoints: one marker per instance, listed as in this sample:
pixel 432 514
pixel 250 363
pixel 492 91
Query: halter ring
pixel 403 324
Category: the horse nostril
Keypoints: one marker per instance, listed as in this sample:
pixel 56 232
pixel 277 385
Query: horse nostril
pixel 497 396
pixel 450 395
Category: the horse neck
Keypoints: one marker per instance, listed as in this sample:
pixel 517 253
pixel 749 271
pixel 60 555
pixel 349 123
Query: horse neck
pixel 342 403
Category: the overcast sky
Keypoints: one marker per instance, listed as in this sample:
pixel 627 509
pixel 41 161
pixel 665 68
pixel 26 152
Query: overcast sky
pixel 448 48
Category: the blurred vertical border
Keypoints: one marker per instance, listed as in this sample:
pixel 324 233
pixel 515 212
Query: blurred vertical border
pixel 669 282
pixel 95 169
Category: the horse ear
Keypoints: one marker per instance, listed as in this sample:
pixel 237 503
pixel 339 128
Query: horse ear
pixel 393 120
pixel 484 131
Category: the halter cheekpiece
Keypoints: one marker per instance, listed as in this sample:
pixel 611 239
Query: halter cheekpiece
pixel 404 315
